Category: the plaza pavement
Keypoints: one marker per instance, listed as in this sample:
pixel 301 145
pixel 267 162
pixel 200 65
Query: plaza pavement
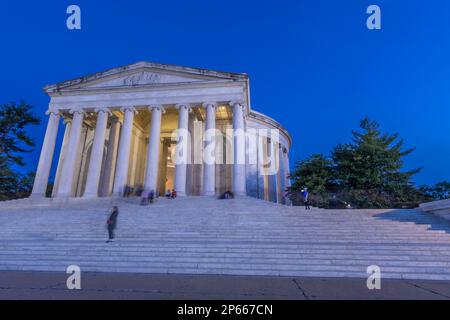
pixel 100 286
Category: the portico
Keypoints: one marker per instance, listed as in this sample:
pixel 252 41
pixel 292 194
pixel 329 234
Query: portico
pixel 151 127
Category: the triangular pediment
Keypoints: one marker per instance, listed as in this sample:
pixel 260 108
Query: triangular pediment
pixel 144 74
pixel 144 77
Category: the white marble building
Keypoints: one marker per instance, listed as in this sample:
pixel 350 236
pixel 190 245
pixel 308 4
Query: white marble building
pixel 119 127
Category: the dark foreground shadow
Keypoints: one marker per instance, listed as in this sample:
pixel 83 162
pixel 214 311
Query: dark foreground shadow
pixel 418 217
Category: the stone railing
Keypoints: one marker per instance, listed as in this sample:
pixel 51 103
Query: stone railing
pixel 440 208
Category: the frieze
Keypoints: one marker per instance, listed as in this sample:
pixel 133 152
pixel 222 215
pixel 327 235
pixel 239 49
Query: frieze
pixel 142 78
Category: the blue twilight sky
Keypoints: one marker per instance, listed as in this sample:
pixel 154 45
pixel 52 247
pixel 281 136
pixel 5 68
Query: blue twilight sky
pixel 313 64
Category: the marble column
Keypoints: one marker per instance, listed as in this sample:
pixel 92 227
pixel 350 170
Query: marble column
pixel 111 157
pixel 190 164
pixel 68 172
pixel 123 158
pixel 134 158
pixel 272 178
pixel 209 166
pixel 46 157
pixel 288 175
pixel 151 174
pixel 280 176
pixel 98 146
pixel 181 155
pixel 62 156
pixel 239 187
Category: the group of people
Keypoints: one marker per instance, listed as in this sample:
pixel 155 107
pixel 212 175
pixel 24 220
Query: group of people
pixel 227 195
pixel 149 197
pixel 171 194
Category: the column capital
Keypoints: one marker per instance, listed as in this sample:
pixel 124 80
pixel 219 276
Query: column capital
pixel 79 111
pixel 52 111
pixel 209 104
pixel 57 107
pixel 128 108
pixel 186 106
pixel 67 120
pixel 113 119
pixel 157 107
pixel 237 103
pixel 103 109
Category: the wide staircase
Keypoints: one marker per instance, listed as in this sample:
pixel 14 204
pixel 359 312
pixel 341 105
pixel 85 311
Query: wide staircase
pixel 202 235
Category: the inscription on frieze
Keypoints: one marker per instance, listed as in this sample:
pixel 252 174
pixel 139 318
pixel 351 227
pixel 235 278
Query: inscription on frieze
pixel 142 78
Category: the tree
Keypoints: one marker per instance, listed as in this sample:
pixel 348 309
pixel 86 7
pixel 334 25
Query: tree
pixel 367 172
pixel 14 141
pixel 315 173
pixel 14 119
pixel 373 161
pixel 370 168
pixel 439 191
pixel 8 180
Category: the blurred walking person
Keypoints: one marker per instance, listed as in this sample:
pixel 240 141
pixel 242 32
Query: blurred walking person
pixel 112 223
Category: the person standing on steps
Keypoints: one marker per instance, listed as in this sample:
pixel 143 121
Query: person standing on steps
pixel 151 197
pixel 144 198
pixel 305 194
pixel 112 223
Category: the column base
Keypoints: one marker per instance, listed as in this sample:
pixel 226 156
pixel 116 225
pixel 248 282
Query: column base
pixel 37 195
pixel 90 196
pixel 62 196
pixel 209 193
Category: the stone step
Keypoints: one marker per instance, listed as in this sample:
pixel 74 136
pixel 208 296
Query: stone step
pixel 226 258
pixel 209 267
pixel 255 241
pixel 414 255
pixel 294 245
pixel 309 273
pixel 238 237
pixel 218 271
pixel 238 231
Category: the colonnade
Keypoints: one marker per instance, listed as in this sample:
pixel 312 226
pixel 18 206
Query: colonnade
pixel 67 164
